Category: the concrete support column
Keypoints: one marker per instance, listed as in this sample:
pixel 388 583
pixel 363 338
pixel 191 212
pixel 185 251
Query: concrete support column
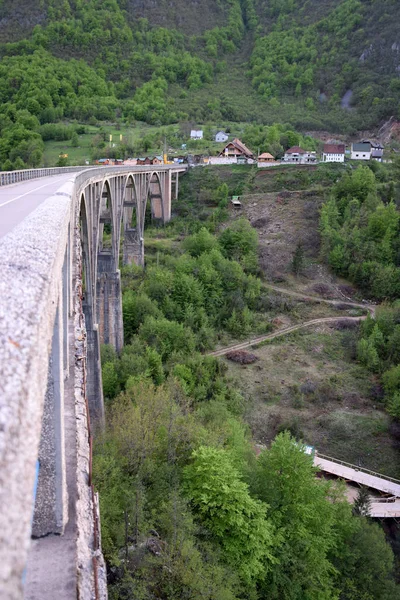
pixel 51 507
pixel 133 248
pixel 176 185
pixel 167 195
pixel 94 385
pixel 109 302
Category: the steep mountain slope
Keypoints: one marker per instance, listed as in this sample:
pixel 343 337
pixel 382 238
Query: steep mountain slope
pixel 312 63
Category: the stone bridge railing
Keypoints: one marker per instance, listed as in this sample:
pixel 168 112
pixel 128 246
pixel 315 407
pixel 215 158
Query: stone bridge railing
pixel 59 299
pixel 8 177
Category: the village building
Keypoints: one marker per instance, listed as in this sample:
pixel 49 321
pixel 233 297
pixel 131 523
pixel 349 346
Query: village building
pixel 376 151
pixel 157 160
pixel 144 161
pixel 377 154
pixel 235 202
pixel 266 157
pixel 221 136
pixel 297 155
pixel 361 151
pixel 333 153
pixel 196 134
pixel 236 149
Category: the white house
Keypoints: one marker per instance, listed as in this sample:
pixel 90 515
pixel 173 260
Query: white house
pixel 196 134
pixel 333 153
pixel 221 136
pixel 361 151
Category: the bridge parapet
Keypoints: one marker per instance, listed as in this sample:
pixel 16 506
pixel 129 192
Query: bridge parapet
pixel 9 177
pixel 41 348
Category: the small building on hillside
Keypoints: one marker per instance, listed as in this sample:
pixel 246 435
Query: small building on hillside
pixel 266 157
pixel 196 134
pixel 376 151
pixel 157 160
pixel 221 136
pixel 361 151
pixel 235 202
pixel 144 161
pixel 377 154
pixel 236 149
pixel 333 153
pixel 297 155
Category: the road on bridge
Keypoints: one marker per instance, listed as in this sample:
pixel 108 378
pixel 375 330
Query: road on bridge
pixel 19 200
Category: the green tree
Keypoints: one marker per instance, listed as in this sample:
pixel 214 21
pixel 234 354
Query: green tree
pixel 303 519
pixel 74 140
pixel 298 259
pixel 362 503
pixel 224 506
pixel 200 242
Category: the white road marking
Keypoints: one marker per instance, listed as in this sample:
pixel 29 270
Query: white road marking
pixel 30 192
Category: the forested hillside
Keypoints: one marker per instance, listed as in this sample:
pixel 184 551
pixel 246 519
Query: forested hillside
pixel 315 64
pixel 188 509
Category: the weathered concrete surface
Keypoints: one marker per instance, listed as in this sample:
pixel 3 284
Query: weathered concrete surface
pixel 51 568
pixel 29 299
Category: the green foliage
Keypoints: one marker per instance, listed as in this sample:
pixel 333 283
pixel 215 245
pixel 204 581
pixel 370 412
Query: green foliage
pixel 276 138
pixel 239 242
pixel 360 233
pixel 362 503
pixel 378 349
pixel 303 519
pixel 298 259
pixel 135 308
pixel 176 467
pixel 299 56
pixel 200 242
pixel 364 562
pixel 226 509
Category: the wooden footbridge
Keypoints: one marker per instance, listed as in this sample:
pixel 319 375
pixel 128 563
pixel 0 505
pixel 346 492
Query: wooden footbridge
pixel 386 506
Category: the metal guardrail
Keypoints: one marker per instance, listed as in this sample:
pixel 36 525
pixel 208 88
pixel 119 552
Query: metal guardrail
pixel 391 499
pixel 9 177
pixel 356 468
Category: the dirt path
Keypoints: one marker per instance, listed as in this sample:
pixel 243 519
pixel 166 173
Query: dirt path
pixel 275 334
pixel 270 336
pixel 369 307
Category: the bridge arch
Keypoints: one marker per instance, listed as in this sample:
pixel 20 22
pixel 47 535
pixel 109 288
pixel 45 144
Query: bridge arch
pixel 155 192
pixel 106 240
pixel 132 223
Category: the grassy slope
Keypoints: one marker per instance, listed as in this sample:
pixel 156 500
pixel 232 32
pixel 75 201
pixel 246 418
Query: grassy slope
pixel 336 410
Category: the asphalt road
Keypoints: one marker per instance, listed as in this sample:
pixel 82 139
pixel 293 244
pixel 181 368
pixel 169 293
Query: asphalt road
pixel 17 201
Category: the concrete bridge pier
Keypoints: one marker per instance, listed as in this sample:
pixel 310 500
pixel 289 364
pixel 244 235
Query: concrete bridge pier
pixel 109 302
pixel 94 386
pixel 133 248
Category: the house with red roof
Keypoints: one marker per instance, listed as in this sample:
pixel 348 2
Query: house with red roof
pixel 333 153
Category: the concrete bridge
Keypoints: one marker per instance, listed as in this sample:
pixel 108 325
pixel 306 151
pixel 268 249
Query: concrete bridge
pixel 385 497
pixel 60 298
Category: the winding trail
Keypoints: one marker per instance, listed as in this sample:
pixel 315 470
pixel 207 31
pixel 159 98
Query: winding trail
pixel 270 336
pixel 318 299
